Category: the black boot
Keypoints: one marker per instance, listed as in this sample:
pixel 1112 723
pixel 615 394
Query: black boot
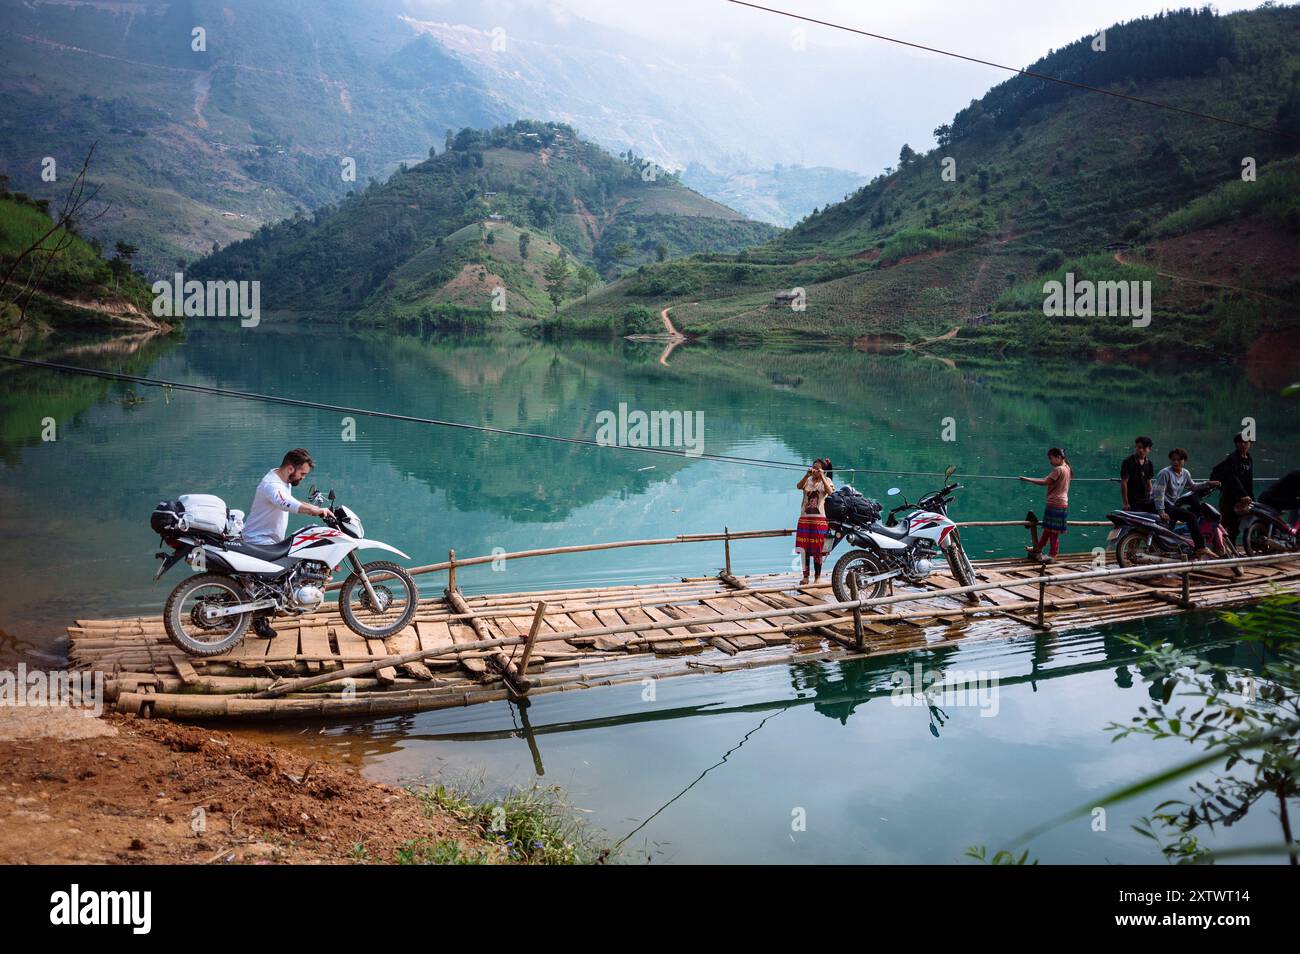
pixel 262 627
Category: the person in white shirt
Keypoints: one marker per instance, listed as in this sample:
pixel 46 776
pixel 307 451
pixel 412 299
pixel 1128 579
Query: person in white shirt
pixel 268 517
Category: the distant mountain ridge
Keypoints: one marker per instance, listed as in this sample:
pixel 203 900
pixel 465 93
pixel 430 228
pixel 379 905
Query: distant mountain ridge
pixel 493 210
pixel 202 146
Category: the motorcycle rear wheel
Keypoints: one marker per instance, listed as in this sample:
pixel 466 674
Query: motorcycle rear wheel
pixel 198 639
pixel 863 563
pixel 1261 539
pixel 1131 542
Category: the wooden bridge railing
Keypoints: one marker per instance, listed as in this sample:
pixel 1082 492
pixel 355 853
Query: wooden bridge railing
pixel 1043 581
pixel 452 563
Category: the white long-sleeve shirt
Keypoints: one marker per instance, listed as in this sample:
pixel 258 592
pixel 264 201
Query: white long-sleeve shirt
pixel 268 517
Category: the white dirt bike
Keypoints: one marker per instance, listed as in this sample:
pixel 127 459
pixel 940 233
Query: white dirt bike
pixel 907 549
pixel 209 613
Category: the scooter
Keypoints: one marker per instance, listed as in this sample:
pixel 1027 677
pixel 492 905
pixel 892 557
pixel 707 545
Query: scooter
pixel 1141 538
pixel 1264 530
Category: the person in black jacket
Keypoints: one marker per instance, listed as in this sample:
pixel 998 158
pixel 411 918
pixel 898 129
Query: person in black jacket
pixel 1236 473
pixel 1135 476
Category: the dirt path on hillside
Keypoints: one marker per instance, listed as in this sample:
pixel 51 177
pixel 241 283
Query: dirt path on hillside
pixel 669 326
pixel 202 88
pixel 1201 281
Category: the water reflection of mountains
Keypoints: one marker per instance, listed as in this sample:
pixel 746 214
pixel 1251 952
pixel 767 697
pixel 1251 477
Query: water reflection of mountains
pixel 871 411
pixel 28 395
pixel 841 691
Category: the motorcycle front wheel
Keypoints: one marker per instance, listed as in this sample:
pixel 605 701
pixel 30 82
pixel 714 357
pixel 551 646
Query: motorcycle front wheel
pixel 396 595
pixel 862 563
pixel 183 620
pixel 962 570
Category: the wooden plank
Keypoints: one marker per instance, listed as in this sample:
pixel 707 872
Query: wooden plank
pixel 185 671
pixel 407 642
pixel 753 604
pixel 460 634
pixel 435 636
pixel 282 647
pixel 664 647
pixel 351 646
pixel 613 642
pixel 377 649
pixel 315 641
pixel 513 629
pixel 746 642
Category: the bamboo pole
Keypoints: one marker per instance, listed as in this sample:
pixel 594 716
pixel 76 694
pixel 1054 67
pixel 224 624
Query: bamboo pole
pixel 590 547
pixel 532 636
pixel 858 636
pixel 515 677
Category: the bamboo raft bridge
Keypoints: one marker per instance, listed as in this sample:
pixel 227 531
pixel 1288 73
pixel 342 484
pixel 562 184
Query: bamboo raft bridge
pixel 461 650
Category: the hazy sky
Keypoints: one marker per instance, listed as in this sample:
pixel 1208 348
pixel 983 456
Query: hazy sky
pixel 1012 31
pixel 835 98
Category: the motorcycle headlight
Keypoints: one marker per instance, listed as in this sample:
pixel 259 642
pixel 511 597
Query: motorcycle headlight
pixel 352 523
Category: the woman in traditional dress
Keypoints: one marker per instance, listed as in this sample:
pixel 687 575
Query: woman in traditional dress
pixel 812 533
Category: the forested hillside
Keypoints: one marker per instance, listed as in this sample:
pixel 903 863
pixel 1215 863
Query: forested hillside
pixel 495 209
pixel 1037 179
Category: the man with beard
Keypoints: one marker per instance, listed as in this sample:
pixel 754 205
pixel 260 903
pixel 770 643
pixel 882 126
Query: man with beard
pixel 268 517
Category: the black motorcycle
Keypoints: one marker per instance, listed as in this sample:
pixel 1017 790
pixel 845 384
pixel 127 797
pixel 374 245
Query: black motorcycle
pixel 1265 530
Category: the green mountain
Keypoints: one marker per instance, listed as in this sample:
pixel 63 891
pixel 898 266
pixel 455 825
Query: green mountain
pixel 54 277
pixel 201 139
pixel 509 209
pixel 204 138
pixel 1035 180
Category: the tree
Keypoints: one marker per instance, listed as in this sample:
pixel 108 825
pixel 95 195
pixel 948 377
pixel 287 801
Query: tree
pixel 661 252
pixel 906 156
pixel 120 264
pixel 523 244
pixel 622 251
pixel 583 279
pixel 557 276
pixel 1246 717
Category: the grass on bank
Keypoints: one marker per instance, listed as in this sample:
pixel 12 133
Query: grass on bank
pixel 531 826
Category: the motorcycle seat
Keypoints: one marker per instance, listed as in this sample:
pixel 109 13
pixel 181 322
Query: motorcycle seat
pixel 268 551
pixel 1146 515
pixel 898 531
